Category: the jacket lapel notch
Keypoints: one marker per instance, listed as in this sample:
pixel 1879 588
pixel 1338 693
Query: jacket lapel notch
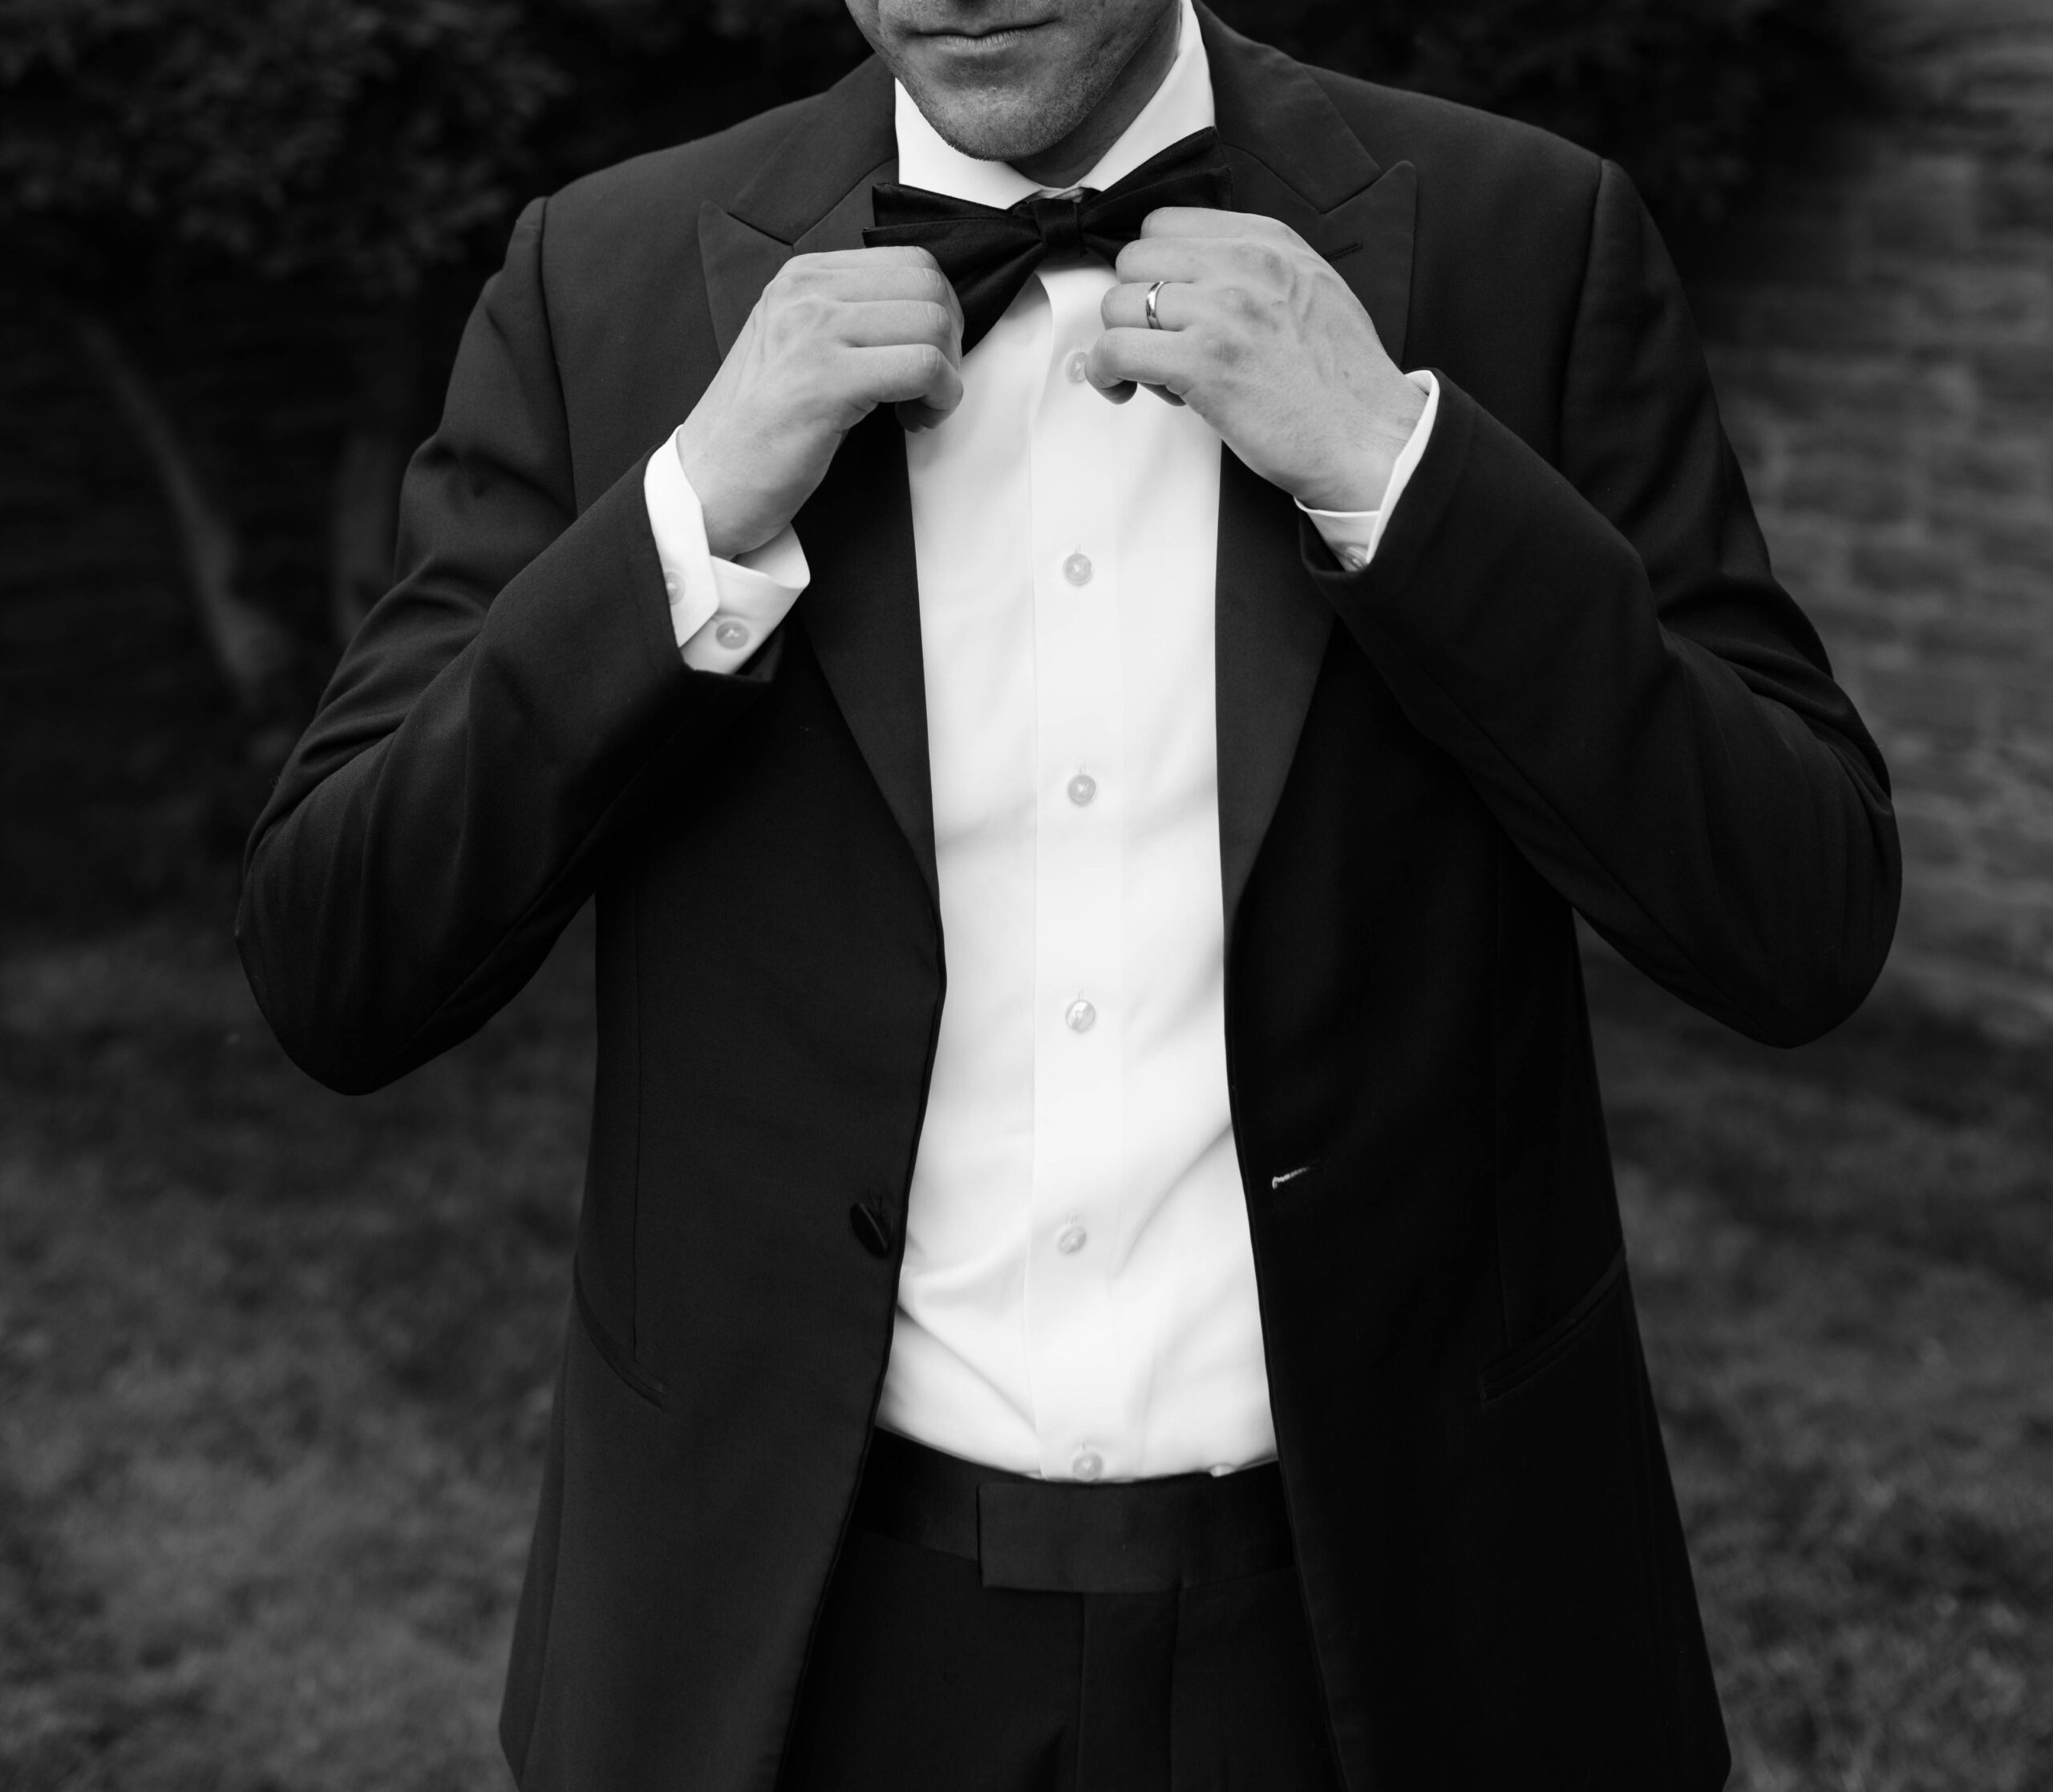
pixel 1273 111
pixel 811 193
pixel 739 259
pixel 1294 158
pixel 834 138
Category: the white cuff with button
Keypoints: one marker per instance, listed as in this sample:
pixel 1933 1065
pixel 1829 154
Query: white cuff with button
pixel 1354 535
pixel 721 611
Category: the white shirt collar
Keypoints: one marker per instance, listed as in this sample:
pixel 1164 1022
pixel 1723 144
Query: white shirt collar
pixel 1182 104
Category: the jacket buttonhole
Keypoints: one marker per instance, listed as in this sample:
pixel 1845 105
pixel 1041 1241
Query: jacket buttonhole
pixel 872 1230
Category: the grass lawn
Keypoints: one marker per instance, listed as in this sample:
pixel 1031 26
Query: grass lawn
pixel 275 1370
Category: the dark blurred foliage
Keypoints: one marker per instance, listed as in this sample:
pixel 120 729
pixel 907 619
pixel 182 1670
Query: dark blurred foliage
pixel 288 139
pixel 366 143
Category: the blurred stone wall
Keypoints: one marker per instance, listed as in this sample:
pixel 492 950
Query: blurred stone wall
pixel 1882 328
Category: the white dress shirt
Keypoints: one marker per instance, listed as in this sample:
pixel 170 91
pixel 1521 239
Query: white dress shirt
pixel 1078 1295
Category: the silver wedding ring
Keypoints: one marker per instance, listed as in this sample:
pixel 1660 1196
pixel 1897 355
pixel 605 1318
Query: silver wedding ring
pixel 1154 322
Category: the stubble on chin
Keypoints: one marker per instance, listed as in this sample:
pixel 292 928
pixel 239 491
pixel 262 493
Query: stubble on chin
pixel 997 124
pixel 1037 104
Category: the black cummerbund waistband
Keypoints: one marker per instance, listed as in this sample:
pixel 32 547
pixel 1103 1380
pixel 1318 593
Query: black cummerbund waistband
pixel 1076 1537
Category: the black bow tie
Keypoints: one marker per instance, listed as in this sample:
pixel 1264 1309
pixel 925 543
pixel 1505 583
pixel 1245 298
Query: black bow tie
pixel 988 254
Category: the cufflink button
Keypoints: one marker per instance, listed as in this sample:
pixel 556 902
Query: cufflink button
pixel 873 1232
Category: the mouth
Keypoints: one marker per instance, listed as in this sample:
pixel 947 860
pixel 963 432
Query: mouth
pixel 988 37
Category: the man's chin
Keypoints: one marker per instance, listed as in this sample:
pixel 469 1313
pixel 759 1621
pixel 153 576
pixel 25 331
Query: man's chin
pixel 998 127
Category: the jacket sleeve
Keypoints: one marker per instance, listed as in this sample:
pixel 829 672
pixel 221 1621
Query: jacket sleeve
pixel 1602 647
pixel 504 717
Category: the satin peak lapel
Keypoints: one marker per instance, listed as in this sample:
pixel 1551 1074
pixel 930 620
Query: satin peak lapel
pixel 1293 159
pixel 738 260
pixel 811 183
pixel 861 612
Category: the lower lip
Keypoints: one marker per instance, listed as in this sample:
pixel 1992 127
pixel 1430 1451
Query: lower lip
pixel 988 43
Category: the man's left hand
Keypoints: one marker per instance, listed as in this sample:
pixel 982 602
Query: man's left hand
pixel 1266 341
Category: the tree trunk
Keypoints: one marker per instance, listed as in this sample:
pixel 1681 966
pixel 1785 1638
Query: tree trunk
pixel 364 508
pixel 251 649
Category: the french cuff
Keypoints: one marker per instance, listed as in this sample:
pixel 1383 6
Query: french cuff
pixel 721 611
pixel 1354 535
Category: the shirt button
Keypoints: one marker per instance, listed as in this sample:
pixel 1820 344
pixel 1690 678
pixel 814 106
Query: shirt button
pixel 1081 1018
pixel 1088 1465
pixel 1071 1239
pixel 1078 367
pixel 1082 788
pixel 1355 559
pixel 1077 569
pixel 731 633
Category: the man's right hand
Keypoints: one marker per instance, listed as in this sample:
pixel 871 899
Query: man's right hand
pixel 832 336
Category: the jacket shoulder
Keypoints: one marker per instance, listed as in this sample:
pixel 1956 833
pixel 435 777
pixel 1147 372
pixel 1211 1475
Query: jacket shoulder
pixel 647 187
pixel 1497 163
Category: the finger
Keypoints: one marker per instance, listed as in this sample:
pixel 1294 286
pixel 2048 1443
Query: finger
pixel 858 286
pixel 916 266
pixel 1156 357
pixel 1187 258
pixel 906 255
pixel 1195 221
pixel 1177 305
pixel 1214 260
pixel 953 301
pixel 916 414
pixel 915 373
pixel 891 323
pixel 869 273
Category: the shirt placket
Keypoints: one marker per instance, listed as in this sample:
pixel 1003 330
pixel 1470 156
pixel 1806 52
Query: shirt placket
pixel 1081 1376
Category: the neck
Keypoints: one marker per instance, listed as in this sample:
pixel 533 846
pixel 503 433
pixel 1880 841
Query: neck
pixel 1064 163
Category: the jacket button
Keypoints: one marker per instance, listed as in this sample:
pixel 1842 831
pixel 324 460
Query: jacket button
pixel 867 1222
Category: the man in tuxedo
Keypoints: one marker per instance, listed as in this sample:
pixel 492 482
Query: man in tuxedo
pixel 1090 604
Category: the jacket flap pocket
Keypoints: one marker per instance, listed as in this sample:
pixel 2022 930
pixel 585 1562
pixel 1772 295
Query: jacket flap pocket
pixel 1519 1365
pixel 617 1358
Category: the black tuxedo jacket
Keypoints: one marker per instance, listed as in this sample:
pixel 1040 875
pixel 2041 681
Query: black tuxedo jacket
pixel 1568 682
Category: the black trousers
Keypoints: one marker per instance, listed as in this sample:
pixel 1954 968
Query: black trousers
pixel 1158 1642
